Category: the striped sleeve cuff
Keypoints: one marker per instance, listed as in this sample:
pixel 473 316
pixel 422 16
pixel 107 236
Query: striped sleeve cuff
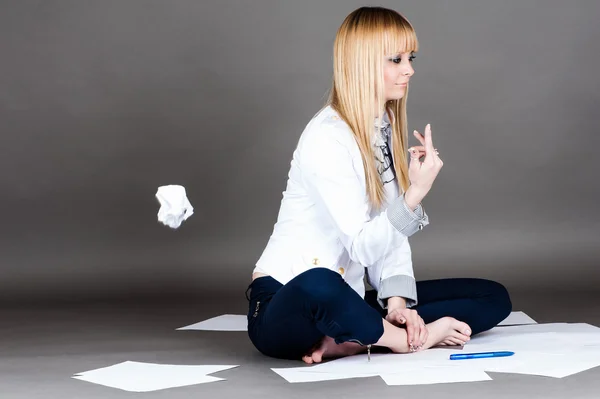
pixel 400 285
pixel 405 220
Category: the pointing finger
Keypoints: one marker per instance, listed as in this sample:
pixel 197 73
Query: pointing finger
pixel 429 145
pixel 428 139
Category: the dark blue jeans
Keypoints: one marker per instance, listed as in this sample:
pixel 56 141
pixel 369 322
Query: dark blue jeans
pixel 286 321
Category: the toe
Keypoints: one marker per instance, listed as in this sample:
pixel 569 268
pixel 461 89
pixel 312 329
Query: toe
pixel 317 356
pixel 461 327
pixel 464 329
pixel 460 337
pixel 456 341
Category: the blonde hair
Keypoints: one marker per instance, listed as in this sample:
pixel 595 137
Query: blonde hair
pixel 363 40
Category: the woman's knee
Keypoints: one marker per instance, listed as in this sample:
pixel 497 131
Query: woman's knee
pixel 318 276
pixel 319 283
pixel 499 296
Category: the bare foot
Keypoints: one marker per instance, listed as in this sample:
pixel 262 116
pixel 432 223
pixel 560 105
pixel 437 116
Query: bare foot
pixel 447 331
pixel 329 349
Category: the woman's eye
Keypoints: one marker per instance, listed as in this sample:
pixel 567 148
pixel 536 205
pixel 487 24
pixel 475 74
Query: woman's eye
pixel 398 60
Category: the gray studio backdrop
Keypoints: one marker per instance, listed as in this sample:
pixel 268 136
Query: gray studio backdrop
pixel 103 101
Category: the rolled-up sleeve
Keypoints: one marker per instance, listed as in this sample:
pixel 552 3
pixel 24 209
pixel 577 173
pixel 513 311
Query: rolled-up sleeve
pixel 405 220
pixel 393 276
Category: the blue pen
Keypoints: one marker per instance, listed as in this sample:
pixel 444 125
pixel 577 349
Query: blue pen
pixel 481 355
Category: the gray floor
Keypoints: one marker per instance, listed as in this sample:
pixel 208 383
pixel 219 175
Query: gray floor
pixel 42 347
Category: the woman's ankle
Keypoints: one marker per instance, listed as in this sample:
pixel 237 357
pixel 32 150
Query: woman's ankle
pixel 394 338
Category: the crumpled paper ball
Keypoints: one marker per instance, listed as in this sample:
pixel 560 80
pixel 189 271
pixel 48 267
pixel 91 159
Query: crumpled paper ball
pixel 174 205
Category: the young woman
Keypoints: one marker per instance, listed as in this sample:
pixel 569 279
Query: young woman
pixel 352 200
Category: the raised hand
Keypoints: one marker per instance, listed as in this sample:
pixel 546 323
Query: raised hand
pixel 422 174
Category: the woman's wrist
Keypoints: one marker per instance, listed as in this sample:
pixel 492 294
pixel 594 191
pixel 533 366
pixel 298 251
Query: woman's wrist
pixel 396 302
pixel 413 196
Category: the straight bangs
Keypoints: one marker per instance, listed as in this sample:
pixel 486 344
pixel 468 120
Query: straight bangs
pixel 398 35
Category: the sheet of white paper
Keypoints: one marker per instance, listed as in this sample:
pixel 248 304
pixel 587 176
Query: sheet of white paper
pixel 299 374
pixel 382 363
pixel 553 350
pixel 557 366
pixel 519 361
pixel 226 322
pixel 546 342
pixel 539 328
pixel 417 372
pixel 435 376
pixel 560 337
pixel 517 318
pixel 146 377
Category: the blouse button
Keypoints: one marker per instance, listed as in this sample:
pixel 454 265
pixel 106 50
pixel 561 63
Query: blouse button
pixel 315 261
pixel 341 270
